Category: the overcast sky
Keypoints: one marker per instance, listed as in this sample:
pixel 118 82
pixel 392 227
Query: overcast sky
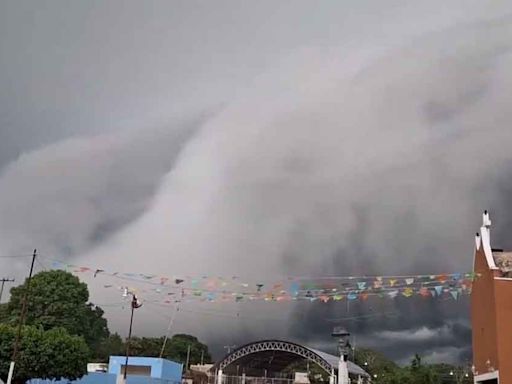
pixel 259 138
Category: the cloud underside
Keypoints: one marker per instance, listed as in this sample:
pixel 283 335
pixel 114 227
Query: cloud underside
pixel 337 161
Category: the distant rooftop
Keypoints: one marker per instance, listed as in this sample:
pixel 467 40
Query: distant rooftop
pixel 503 261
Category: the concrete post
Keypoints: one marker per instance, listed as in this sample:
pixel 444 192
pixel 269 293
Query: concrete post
pixel 343 371
pixel 243 378
pixel 219 376
pixel 332 378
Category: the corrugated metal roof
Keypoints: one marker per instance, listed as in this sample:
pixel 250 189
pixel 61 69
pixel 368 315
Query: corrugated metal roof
pixel 353 369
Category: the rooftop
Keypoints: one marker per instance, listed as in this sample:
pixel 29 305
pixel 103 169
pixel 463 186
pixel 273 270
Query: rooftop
pixel 503 261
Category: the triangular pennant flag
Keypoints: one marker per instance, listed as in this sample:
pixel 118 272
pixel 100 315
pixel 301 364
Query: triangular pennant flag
pixel 98 271
pixel 442 278
pixel 392 282
pixel 58 265
pixel 352 296
pixel 454 294
pixel 294 289
pixel 324 298
pixel 392 294
pixel 259 286
pixel 178 281
pixel 408 292
pixel 377 284
pixel 361 284
pixel 439 289
pixel 409 280
pixel 363 296
pixel 456 276
pixel 433 293
pixel 424 292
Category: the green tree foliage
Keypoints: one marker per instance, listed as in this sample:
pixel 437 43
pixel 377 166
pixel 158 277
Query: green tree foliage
pixel 422 374
pixel 59 299
pixel 374 362
pixel 384 371
pixel 111 346
pixel 52 354
pixel 175 348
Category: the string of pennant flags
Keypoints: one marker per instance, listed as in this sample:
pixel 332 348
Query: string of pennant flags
pixel 169 290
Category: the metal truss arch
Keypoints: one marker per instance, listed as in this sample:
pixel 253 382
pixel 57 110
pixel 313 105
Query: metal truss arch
pixel 274 345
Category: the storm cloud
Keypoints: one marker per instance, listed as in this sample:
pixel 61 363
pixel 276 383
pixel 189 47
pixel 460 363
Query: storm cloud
pixel 337 150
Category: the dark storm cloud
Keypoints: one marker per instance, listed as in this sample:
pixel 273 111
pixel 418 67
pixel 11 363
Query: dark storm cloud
pixel 351 139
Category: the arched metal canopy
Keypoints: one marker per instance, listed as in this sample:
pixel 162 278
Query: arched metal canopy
pixel 286 352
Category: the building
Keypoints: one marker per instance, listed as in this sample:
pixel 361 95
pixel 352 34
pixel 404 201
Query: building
pixel 266 361
pixel 141 370
pixel 491 311
pixel 146 366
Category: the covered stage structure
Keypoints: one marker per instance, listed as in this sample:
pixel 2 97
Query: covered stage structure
pixel 275 360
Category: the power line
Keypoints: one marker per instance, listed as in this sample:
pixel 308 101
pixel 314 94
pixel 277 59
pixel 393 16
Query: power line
pixel 22 319
pixel 13 256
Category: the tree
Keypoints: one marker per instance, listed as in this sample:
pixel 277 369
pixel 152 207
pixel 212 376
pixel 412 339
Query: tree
pixel 59 299
pixel 175 348
pixel 374 362
pixel 111 346
pixel 52 354
pixel 422 374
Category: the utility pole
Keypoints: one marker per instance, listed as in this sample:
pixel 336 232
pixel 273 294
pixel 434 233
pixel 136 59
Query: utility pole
pixel 4 280
pixel 171 321
pixel 135 304
pixel 22 319
pixel 188 358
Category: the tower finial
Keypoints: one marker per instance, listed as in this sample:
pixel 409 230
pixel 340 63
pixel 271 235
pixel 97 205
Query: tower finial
pixel 477 241
pixel 486 219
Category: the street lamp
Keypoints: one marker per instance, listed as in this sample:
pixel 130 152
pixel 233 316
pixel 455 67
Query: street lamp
pixel 343 337
pixel 134 305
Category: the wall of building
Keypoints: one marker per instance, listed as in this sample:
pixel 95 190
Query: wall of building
pixel 90 378
pixel 483 316
pixel 150 380
pixel 503 294
pixel 116 364
pixel 171 370
pixel 160 368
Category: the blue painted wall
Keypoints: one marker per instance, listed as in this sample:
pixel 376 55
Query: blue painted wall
pixel 149 380
pixel 160 368
pixel 162 372
pixel 171 370
pixel 90 378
